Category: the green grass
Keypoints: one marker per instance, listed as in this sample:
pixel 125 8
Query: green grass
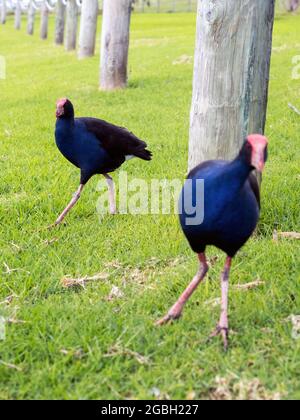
pixel 36 182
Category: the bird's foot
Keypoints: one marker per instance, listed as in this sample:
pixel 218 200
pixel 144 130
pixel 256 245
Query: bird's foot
pixel 224 331
pixel 57 223
pixel 171 316
pixel 113 211
pixel 166 319
pixel 50 227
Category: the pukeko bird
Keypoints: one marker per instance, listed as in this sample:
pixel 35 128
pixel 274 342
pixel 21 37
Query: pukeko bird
pixel 231 212
pixel 95 147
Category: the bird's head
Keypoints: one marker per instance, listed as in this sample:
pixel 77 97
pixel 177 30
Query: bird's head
pixel 64 108
pixel 255 151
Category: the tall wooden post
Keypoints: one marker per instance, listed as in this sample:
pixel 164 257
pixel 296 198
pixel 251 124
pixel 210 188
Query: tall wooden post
pixel 44 20
pixel 231 76
pixel 71 25
pixel 60 22
pixel 115 44
pixel 18 14
pixel 30 18
pixel 3 12
pixel 88 28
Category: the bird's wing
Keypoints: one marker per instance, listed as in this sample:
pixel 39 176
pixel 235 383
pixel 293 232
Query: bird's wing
pixel 117 141
pixel 209 165
pixel 255 187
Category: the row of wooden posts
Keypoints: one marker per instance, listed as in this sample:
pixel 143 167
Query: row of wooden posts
pixel 67 12
pixel 115 31
pixel 231 71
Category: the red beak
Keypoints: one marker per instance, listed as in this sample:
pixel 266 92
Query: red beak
pixel 60 107
pixel 258 160
pixel 259 144
pixel 59 111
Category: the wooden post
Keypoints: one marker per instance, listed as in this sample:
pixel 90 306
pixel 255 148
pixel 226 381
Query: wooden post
pixel 18 14
pixel 44 20
pixel 30 18
pixel 3 12
pixel 292 5
pixel 71 25
pixel 115 44
pixel 231 76
pixel 60 22
pixel 88 28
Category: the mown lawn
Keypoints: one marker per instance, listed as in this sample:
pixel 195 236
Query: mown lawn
pixel 77 343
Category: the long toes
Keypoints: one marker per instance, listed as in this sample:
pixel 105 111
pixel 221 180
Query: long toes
pixel 58 223
pixel 215 333
pixel 221 331
pixel 226 346
pixel 167 319
pixel 162 321
pixel 50 227
pixel 225 335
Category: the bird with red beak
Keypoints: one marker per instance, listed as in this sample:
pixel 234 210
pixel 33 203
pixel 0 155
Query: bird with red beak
pixel 231 209
pixel 96 147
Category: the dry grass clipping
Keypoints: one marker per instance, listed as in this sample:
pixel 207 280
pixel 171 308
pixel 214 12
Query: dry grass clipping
pixel 9 270
pixel 249 286
pixel 68 282
pixel 285 235
pixel 75 353
pixel 10 366
pixel 295 320
pixel 293 108
pixel 8 300
pixel 115 293
pixel 118 350
pixel 235 389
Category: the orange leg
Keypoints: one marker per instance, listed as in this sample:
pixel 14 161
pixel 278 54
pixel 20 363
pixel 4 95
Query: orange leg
pixel 223 327
pixel 69 206
pixel 176 310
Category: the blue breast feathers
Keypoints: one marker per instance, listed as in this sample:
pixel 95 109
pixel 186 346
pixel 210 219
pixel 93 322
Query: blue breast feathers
pixel 80 146
pixel 218 205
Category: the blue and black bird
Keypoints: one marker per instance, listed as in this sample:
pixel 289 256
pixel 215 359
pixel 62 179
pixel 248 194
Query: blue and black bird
pixel 220 206
pixel 95 147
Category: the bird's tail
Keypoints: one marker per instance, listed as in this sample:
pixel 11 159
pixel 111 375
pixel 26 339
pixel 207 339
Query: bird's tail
pixel 143 154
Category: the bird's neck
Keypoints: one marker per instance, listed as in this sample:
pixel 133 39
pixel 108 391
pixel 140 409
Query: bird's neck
pixel 238 172
pixel 65 124
pixel 64 133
